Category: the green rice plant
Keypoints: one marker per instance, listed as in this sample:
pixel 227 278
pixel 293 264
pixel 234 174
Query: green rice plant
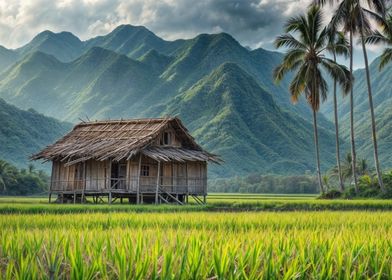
pixel 197 245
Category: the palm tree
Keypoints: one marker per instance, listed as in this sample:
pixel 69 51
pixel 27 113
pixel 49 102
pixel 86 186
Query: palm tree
pixel 354 18
pixel 305 56
pixel 337 45
pixel 362 168
pixel 383 37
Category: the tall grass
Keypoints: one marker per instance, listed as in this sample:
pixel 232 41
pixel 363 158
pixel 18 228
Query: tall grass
pixel 247 245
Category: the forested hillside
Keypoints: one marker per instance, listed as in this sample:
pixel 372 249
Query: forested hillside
pixel 223 91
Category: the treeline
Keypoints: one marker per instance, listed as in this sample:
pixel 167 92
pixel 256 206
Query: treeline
pixel 14 181
pixel 257 183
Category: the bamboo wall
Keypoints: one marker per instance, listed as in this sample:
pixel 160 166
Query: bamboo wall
pixel 178 177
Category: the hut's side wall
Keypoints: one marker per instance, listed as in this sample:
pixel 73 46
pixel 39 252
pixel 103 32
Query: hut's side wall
pixel 55 184
pixel 180 177
pixel 197 173
pixel 148 183
pixel 132 174
pixel 97 175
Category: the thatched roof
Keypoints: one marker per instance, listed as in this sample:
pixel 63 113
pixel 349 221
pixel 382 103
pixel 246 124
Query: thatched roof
pixel 124 139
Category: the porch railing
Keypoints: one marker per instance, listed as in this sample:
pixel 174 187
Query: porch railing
pixel 147 184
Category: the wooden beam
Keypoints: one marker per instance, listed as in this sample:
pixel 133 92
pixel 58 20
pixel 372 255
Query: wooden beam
pixel 157 188
pixel 138 180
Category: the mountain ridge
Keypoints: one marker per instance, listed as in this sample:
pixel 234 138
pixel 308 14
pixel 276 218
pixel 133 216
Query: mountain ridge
pixel 258 128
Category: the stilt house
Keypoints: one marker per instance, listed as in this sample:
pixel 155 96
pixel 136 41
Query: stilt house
pixel 143 160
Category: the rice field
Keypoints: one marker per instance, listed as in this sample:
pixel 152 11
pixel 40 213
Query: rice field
pixel 192 242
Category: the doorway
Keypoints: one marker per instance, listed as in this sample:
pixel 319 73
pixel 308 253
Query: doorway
pixel 118 175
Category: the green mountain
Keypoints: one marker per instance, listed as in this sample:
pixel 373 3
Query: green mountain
pixel 7 58
pixel 382 98
pixel 100 83
pixel 223 91
pixel 23 133
pixel 64 45
pixel 133 41
pixel 230 114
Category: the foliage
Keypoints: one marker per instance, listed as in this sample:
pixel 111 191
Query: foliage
pixel 257 183
pixel 15 181
pixel 368 187
pixel 384 36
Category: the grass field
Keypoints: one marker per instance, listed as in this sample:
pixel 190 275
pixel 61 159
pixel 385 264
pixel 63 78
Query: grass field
pixel 42 241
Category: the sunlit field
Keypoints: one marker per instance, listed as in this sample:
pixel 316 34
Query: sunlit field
pixel 42 241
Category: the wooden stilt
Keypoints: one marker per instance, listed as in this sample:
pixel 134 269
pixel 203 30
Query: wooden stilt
pixel 74 197
pixel 110 197
pixel 204 199
pixel 50 197
pixel 121 200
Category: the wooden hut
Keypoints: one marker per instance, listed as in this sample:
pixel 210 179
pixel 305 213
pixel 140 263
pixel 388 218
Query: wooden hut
pixel 143 160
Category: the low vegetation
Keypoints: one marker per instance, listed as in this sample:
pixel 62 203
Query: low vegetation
pixel 14 181
pixel 304 245
pixel 259 183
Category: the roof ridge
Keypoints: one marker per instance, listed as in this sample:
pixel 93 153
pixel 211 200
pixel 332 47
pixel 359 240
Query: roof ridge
pixel 125 121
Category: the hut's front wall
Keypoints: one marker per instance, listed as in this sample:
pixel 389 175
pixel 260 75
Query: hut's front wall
pixel 137 175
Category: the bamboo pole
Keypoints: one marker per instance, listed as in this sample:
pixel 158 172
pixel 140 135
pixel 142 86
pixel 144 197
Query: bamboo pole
pixel 51 182
pixel 157 188
pixel 138 180
pixel 187 183
pixel 84 181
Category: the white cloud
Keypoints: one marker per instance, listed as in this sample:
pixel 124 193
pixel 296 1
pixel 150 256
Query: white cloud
pixel 253 22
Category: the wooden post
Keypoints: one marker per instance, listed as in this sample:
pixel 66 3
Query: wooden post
pixel 138 180
pixel 51 182
pixel 110 197
pixel 157 188
pixel 84 181
pixel 187 183
pixel 74 197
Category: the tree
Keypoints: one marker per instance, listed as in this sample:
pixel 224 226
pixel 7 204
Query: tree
pixel 382 37
pixel 354 17
pixel 362 168
pixel 6 175
pixel 337 45
pixel 305 57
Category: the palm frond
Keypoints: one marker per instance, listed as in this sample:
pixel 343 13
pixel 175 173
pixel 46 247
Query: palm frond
pixel 376 38
pixel 378 6
pixel 339 73
pixel 298 84
pixel 288 41
pixel 386 57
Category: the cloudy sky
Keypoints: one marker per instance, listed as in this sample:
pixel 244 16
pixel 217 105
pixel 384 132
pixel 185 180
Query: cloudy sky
pixel 254 23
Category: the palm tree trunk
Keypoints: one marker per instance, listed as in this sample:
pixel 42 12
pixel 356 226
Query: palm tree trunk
pixel 353 152
pixel 371 107
pixel 335 104
pixel 316 144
